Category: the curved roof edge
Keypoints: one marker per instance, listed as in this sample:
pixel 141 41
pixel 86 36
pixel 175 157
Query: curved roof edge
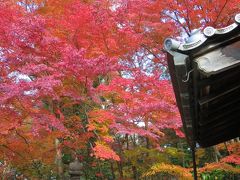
pixel 201 37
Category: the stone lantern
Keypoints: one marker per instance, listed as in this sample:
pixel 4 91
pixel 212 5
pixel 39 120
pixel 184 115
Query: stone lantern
pixel 75 170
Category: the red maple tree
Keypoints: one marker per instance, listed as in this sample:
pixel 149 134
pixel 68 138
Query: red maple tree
pixel 92 69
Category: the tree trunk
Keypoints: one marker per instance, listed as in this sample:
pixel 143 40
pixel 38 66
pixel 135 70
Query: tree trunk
pixel 119 164
pixel 225 144
pixel 112 170
pixel 183 158
pixel 59 160
pixel 126 137
pixel 120 170
pixel 147 139
pixel 134 170
pixel 133 139
pixel 216 153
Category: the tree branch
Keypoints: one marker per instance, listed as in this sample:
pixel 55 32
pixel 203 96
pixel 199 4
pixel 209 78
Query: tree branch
pixel 214 23
pixel 177 21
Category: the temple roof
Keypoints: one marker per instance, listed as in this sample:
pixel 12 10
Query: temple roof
pixel 205 73
pixel 201 38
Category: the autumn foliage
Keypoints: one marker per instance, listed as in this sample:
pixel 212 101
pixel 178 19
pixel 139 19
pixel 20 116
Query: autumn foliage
pixel 92 76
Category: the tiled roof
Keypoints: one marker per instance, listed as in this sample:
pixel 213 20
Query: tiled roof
pixel 205 73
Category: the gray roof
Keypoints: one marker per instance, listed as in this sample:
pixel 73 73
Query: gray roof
pixel 205 73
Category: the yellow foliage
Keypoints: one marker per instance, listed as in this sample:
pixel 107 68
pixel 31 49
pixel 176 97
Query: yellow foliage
pixel 178 171
pixel 219 166
pixel 145 157
pixel 174 152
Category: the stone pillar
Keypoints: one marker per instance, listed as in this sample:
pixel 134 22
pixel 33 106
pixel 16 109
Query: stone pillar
pixel 75 170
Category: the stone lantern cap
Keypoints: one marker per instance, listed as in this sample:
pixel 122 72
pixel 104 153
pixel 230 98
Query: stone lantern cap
pixel 75 168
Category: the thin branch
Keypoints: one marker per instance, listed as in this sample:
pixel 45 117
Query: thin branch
pixel 178 22
pixel 151 52
pixel 25 140
pixel 5 146
pixel 214 23
pixel 188 19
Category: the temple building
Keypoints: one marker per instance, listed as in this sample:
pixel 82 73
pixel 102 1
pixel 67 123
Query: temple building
pixel 205 73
